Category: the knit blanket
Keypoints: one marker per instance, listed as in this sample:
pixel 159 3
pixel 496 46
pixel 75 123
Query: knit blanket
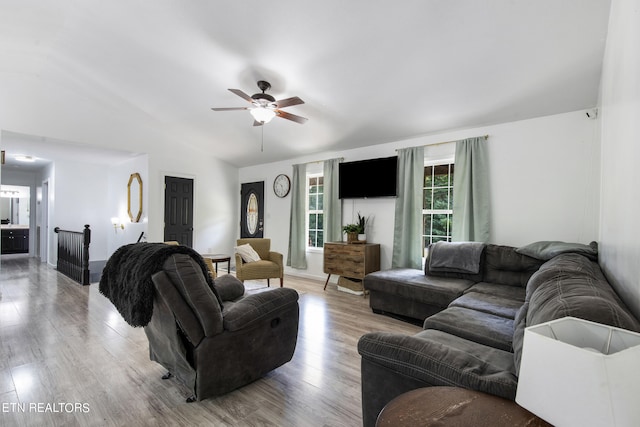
pixel 458 257
pixel 126 278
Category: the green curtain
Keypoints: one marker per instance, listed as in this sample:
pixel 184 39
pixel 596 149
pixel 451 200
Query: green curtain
pixel 471 205
pixel 407 231
pixel 296 257
pixel 332 221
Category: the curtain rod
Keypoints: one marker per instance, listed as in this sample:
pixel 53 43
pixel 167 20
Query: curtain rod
pixel 446 142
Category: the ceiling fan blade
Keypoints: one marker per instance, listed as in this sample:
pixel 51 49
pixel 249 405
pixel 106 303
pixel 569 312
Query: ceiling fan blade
pixel 230 109
pixel 292 117
pixel 241 94
pixel 288 102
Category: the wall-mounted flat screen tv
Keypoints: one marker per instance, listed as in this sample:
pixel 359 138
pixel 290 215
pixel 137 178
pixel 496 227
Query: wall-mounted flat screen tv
pixel 368 178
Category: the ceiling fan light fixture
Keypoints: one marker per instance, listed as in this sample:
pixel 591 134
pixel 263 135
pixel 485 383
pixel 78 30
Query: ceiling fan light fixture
pixel 262 115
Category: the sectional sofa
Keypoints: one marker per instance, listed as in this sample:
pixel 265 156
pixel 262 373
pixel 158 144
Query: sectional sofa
pixel 474 316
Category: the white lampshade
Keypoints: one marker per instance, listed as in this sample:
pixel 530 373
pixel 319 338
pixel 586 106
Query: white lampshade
pixel 579 373
pixel 262 115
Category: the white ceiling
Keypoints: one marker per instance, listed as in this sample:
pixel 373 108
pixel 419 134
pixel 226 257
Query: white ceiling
pixel 135 74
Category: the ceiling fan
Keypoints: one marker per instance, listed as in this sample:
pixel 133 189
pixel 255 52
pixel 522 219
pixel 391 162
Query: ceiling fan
pixel 265 107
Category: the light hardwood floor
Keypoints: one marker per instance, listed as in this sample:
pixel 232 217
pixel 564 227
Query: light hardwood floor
pixel 67 358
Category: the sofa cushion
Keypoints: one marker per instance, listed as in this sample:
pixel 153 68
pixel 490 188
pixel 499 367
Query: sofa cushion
pixel 519 325
pixel 414 285
pixel 572 285
pixel 503 291
pixel 504 266
pixel 438 358
pixel 545 250
pixel 483 328
pixel 490 303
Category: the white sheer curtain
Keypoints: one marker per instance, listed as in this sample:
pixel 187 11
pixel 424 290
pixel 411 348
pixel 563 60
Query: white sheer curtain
pixel 332 205
pixel 296 257
pixel 471 204
pixel 407 231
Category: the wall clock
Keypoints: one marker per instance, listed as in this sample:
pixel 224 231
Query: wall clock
pixel 281 185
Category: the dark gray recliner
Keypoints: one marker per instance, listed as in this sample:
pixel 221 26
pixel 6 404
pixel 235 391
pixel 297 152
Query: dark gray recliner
pixel 213 346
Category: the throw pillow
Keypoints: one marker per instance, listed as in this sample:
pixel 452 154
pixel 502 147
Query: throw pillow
pixel 545 250
pixel 247 253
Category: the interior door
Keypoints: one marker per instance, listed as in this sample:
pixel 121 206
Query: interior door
pixel 178 210
pixel 252 210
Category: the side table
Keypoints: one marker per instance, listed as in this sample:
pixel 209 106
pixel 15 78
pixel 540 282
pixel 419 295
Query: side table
pixel 454 406
pixel 216 258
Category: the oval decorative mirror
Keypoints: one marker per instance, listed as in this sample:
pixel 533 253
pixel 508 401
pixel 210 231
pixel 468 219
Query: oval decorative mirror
pixel 134 197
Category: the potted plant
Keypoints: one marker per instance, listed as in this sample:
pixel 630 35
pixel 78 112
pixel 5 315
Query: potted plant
pixel 351 230
pixel 362 224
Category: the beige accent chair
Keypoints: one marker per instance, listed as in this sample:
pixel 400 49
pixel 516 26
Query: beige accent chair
pixel 270 265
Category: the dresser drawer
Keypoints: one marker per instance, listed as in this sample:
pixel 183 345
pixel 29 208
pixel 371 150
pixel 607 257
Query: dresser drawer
pixel 351 260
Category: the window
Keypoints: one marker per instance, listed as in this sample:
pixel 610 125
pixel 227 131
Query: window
pixel 437 207
pixel 315 193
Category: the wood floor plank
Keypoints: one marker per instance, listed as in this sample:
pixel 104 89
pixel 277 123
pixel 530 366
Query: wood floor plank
pixel 61 342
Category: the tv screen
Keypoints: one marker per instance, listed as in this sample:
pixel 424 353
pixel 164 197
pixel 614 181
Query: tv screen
pixel 368 178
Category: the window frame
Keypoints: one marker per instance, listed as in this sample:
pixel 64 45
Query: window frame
pixel 309 211
pixel 449 162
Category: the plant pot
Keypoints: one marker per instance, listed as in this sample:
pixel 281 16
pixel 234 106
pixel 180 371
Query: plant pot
pixel 362 237
pixel 352 237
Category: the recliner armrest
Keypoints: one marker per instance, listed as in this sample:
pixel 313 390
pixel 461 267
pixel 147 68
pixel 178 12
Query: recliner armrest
pixel 258 307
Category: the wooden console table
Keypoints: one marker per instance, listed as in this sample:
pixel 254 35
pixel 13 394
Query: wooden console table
pixel 354 260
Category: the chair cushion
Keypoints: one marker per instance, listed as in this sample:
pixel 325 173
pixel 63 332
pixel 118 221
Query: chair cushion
pixel 247 253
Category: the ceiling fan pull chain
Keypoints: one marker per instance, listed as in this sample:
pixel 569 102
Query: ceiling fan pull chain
pixel 262 140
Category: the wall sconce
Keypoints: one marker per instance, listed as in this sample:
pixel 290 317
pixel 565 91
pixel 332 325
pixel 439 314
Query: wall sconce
pixel 117 224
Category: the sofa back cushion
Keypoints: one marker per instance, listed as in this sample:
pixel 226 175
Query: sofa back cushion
pixel 570 285
pixel 504 266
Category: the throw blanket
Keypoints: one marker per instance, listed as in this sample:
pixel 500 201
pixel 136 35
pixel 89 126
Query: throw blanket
pixel 126 278
pixel 455 257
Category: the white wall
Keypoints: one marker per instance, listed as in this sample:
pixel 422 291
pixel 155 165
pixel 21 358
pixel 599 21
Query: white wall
pixel 620 112
pixel 117 195
pixel 544 180
pixel 79 198
pixel 216 197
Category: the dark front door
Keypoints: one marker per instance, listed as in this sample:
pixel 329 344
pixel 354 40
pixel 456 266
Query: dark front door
pixel 252 210
pixel 178 210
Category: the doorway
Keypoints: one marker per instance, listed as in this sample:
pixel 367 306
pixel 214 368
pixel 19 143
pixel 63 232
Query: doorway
pixel 178 210
pixel 252 210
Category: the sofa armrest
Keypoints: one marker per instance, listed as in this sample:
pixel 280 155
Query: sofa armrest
pixel 441 359
pixel 255 308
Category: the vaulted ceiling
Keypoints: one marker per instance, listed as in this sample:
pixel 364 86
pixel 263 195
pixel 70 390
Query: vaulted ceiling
pixel 138 75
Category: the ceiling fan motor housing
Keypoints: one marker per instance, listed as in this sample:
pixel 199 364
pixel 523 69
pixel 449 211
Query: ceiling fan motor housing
pixel 263 98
